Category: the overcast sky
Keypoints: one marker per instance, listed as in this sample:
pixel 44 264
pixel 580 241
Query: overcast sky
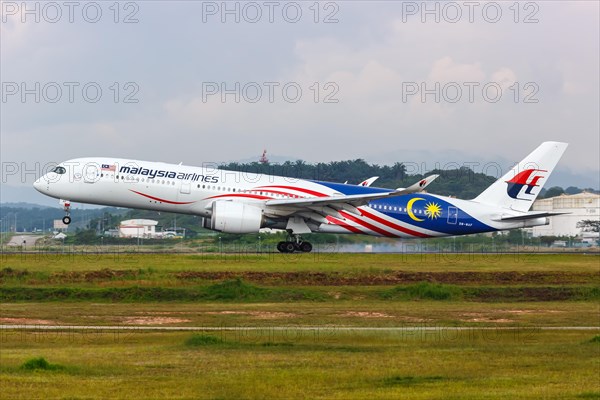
pixel 383 81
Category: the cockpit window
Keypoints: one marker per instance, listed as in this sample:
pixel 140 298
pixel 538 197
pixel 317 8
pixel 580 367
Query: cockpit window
pixel 59 170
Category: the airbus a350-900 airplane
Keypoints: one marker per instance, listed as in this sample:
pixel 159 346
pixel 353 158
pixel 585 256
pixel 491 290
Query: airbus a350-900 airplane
pixel 239 202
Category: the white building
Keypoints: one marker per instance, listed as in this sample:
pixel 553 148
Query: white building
pixel 138 228
pixel 581 206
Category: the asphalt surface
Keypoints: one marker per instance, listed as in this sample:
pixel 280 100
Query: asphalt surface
pixel 24 240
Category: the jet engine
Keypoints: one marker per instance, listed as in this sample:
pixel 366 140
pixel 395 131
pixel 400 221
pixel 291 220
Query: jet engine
pixel 235 217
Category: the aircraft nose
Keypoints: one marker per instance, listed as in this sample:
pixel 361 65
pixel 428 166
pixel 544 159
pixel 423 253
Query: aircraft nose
pixel 39 184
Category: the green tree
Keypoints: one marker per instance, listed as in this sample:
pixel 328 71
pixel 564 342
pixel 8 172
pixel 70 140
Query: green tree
pixel 87 236
pixel 572 190
pixel 553 192
pixel 589 225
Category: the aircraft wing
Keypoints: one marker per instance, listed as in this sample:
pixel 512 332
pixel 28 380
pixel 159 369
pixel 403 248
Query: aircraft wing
pixel 355 200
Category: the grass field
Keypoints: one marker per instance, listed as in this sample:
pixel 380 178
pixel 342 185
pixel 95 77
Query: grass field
pixel 320 262
pixel 336 365
pixel 277 294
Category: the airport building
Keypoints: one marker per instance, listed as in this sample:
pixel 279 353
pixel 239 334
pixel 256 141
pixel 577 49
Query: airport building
pixel 138 228
pixel 581 206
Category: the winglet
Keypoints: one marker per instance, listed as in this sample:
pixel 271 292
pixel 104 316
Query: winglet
pixel 421 185
pixel 368 182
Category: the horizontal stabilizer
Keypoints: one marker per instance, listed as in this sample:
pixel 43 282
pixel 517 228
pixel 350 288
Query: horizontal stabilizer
pixel 528 216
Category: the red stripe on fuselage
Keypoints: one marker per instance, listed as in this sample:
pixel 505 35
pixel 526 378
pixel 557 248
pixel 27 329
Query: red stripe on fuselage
pixel 250 196
pixel 341 223
pixel 367 225
pixel 162 200
pixel 286 194
pixel 307 191
pixel 392 225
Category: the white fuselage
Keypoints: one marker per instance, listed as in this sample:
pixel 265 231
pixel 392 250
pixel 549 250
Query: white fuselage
pixel 193 190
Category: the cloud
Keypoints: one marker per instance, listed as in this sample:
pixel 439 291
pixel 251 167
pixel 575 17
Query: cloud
pixel 369 56
pixel 447 70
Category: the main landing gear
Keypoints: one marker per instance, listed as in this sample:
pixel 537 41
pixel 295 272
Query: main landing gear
pixel 67 207
pixel 294 243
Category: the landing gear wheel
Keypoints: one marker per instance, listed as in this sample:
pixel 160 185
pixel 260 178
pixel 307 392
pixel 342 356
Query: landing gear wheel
pixel 281 247
pixel 305 247
pixel 289 247
pixel 66 220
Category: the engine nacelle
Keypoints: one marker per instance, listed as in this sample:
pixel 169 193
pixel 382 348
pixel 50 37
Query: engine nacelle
pixel 234 217
pixel 536 222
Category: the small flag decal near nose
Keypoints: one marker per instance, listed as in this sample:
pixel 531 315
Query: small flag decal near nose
pixel 106 167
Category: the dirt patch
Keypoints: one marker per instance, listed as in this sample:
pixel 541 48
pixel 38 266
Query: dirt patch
pixel 480 317
pixel 366 314
pixel 105 274
pixel 256 314
pixel 492 320
pixel 27 321
pixel 271 315
pixel 153 320
pixel 519 312
pixel 163 312
pixel 395 278
pixel 227 313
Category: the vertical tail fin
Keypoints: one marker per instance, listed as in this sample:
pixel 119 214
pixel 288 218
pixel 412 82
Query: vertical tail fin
pixel 518 188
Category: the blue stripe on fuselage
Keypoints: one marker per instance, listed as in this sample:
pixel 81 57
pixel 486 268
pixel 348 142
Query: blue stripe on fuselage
pixel 352 189
pixel 451 221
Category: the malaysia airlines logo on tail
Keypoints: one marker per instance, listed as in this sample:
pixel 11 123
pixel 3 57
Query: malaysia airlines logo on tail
pixel 529 178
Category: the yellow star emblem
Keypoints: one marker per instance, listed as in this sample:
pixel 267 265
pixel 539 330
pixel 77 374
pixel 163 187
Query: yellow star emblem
pixel 433 210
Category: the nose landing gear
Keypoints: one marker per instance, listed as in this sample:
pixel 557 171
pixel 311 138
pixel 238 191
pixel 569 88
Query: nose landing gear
pixel 67 207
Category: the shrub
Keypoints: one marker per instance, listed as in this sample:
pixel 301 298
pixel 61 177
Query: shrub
pixel 202 340
pixel 40 363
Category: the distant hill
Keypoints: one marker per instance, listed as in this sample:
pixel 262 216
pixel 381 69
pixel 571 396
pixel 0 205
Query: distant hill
pixel 27 217
pixel 23 205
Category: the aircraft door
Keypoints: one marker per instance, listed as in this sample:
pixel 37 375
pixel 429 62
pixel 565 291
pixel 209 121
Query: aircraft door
pixel 186 188
pixel 452 215
pixel 91 172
